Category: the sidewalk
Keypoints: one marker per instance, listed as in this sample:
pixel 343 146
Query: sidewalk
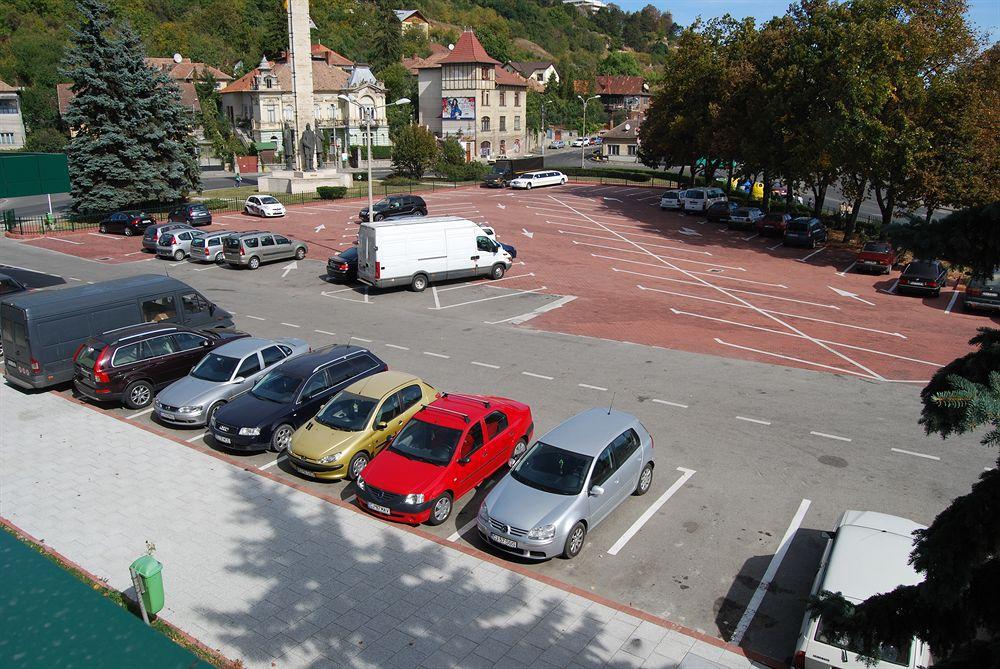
pixel 280 578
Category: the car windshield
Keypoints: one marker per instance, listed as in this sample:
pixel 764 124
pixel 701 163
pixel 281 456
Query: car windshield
pixel 553 470
pixel 277 387
pixel 921 268
pixel 268 200
pixel 877 247
pixel 774 217
pixel 420 440
pixel 89 353
pixel 350 254
pixel 798 225
pixel 898 653
pixel 347 411
pixel 381 204
pixel 670 196
pixel 215 367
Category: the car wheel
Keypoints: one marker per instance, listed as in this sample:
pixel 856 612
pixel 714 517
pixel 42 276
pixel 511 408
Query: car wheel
pixel 253 263
pixel 497 272
pixel 645 480
pixel 246 210
pixel 128 231
pixel 103 229
pixel 281 439
pixel 300 253
pixel 138 394
pixel 441 510
pixel 562 181
pixel 519 449
pixel 377 217
pixel 358 463
pixel 418 284
pixel 421 212
pixel 574 541
pixel 220 257
pixel 210 414
pixel 178 255
pixel 527 186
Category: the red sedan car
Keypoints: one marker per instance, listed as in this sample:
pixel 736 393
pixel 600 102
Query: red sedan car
pixel 876 256
pixel 448 448
pixel 773 224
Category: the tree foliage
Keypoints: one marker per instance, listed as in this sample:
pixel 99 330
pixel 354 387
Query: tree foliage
pixel 619 63
pixel 968 238
pixel 451 163
pixel 133 143
pixel 414 152
pixel 956 609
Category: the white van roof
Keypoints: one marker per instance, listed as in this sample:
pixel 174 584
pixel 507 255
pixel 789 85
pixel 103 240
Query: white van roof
pixel 415 220
pixel 871 555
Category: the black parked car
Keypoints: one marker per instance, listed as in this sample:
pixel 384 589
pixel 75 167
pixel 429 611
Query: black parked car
pixel 195 214
pixel 720 211
pixel 395 206
pixel 922 276
pixel 286 397
pixel 127 223
pixel 983 292
pixel 343 265
pixel 804 231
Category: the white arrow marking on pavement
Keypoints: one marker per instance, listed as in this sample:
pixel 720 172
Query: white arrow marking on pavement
pixel 611 198
pixel 689 231
pixel 501 205
pixel 527 234
pixel 321 226
pixel 288 268
pixel 844 293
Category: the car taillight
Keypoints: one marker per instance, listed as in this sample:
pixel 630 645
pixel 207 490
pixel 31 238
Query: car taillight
pixel 932 284
pixel 206 250
pixel 903 281
pixel 378 270
pixel 799 662
pixel 342 266
pixel 99 374
pixel 243 251
pixel 973 292
pixel 35 367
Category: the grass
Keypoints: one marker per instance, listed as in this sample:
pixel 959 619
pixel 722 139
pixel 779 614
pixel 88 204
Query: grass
pixel 168 630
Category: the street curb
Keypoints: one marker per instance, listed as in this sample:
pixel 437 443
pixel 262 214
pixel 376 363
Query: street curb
pixel 66 562
pixel 472 552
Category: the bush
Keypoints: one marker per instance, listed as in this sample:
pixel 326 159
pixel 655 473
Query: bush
pixel 612 173
pixel 472 171
pixel 331 192
pixel 216 203
pixel 399 180
pixel 378 152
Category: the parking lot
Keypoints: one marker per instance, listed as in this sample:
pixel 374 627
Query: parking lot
pixel 754 460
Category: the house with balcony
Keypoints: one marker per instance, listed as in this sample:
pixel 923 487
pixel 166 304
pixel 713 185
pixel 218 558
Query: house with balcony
pixel 467 95
pixel 623 97
pixel 537 73
pixel 261 101
pixel 11 120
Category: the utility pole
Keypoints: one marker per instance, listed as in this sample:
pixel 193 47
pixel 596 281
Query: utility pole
pixel 583 147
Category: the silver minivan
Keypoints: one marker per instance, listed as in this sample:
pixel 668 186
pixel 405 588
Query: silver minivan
pixel 251 249
pixel 700 199
pixel 570 480
pixel 208 247
pixel 176 244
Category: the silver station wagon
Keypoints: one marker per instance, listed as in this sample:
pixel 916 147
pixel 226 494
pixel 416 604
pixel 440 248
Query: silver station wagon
pixel 568 482
pixel 251 249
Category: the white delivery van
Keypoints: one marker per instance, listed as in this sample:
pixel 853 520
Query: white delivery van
pixel 416 251
pixel 867 555
pixel 700 199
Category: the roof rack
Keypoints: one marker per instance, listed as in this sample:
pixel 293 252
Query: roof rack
pixel 330 362
pixel 463 416
pixel 470 398
pixel 151 332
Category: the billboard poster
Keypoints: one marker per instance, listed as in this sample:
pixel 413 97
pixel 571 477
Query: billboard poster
pixel 458 109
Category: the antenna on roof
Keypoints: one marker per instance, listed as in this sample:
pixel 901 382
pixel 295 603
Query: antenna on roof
pixel 612 403
pixel 349 338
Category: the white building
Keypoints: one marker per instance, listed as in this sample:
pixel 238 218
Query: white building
pixel 537 73
pixel 11 119
pixel 586 5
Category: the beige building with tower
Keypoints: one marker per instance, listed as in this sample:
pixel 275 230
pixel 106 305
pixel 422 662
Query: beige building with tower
pixel 467 95
pixel 11 119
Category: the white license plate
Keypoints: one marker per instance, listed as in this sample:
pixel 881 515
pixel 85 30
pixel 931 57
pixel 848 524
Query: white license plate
pixel 224 440
pixel 503 541
pixel 917 283
pixel 379 508
pixel 869 262
pixel 989 294
pixel 167 416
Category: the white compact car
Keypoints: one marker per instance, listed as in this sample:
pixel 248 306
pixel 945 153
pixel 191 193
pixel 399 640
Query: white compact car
pixel 580 141
pixel 672 199
pixel 530 180
pixel 263 205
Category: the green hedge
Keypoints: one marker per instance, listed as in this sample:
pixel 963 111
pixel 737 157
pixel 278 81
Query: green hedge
pixel 378 152
pixel 331 192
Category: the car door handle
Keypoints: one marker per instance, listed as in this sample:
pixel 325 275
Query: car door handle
pixel 474 258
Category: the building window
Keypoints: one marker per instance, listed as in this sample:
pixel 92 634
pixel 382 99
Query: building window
pixel 6 138
pixel 632 148
pixel 245 113
pixel 8 106
pixel 517 123
pixel 267 82
pixel 517 98
pixel 503 123
pixel 272 115
pixel 613 149
pixel 503 99
pixel 486 98
pixel 540 76
pixel 486 123
pixel 486 73
pixel 484 150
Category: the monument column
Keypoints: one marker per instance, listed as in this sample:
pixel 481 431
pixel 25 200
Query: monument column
pixel 300 44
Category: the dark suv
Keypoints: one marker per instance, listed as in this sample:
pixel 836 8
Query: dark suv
pixel 804 231
pixel 130 364
pixel 192 214
pixel 720 211
pixel 288 396
pixel 396 205
pixel 126 222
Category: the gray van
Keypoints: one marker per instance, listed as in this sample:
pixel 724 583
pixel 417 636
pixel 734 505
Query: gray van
pixel 41 331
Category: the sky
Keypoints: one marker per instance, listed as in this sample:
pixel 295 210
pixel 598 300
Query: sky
pixel 984 14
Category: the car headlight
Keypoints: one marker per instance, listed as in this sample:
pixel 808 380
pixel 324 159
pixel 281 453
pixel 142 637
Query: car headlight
pixel 331 458
pixel 484 514
pixel 195 409
pixel 158 404
pixel 249 431
pixel 360 482
pixel 414 498
pixel 542 532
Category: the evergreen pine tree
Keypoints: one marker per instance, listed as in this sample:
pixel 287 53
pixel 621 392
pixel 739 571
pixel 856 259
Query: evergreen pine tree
pixel 134 142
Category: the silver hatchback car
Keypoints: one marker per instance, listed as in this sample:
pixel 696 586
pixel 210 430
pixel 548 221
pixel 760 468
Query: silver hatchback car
pixel 570 480
pixel 176 244
pixel 221 375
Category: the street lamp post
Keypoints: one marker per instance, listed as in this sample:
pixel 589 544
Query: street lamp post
pixel 545 102
pixel 583 147
pixel 368 116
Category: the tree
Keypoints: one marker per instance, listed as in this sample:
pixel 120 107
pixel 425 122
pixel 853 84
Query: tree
pixel 214 125
pixel 451 163
pixel 133 142
pixel 399 83
pixel 495 38
pixel 619 63
pixel 956 609
pixel 967 238
pixel 45 140
pixel 414 152
pixel 386 45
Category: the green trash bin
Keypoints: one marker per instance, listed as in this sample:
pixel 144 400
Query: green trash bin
pixel 149 571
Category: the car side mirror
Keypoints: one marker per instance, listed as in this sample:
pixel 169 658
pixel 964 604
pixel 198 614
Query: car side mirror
pixel 381 425
pixel 464 460
pixel 239 379
pixel 596 491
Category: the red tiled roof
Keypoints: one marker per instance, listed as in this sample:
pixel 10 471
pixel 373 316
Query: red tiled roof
pixel 505 78
pixel 438 49
pixel 620 85
pixel 326 78
pixel 330 56
pixel 434 60
pixel 469 50
pixel 186 69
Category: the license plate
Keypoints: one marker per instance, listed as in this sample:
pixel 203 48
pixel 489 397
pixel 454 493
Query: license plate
pixel 917 283
pixel 11 363
pixel 224 440
pixel 170 416
pixel 503 541
pixel 869 262
pixel 989 294
pixel 384 510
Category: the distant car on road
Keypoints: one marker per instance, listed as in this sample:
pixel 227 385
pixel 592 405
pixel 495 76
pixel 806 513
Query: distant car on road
pixel 263 205
pixel 251 249
pixel 557 144
pixel 773 224
pixel 983 292
pixel 923 276
pixel 569 481
pixel 343 265
pixel 195 213
pixel 804 231
pixel 744 218
pixel 127 223
pixel 672 199
pixel 874 256
pixel 720 211
pixel 530 180
pixel 396 206
pixel 580 141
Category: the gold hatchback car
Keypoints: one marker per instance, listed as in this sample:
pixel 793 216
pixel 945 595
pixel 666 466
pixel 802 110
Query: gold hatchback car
pixel 356 424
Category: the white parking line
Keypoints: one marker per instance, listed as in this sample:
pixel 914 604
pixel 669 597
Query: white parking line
pixel 401 348
pixel 790 358
pixel 196 437
pixel 670 404
pixel 140 413
pixel 436 355
pixel 892 288
pixel 291 325
pixel 367 341
pixel 732 290
pixel 521 318
pixel 462 530
pixel 951 303
pixel 325 332
pixel 350 499
pixel 73 278
pixel 653 508
pixel 495 297
pixel 480 283
pixel 99 234
pixel 650 253
pixel 537 376
pixel 753 236
pixel 847 269
pixel 587 385
pixel 66 241
pixel 691 283
pixel 771 248
pixel 772 570
pixel 812 254
pixel 615 239
pixel 754 420
pixel 830 436
pixel 484 364
pixel 273 462
pixel 919 455
pixel 437 301
pixel 256 318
